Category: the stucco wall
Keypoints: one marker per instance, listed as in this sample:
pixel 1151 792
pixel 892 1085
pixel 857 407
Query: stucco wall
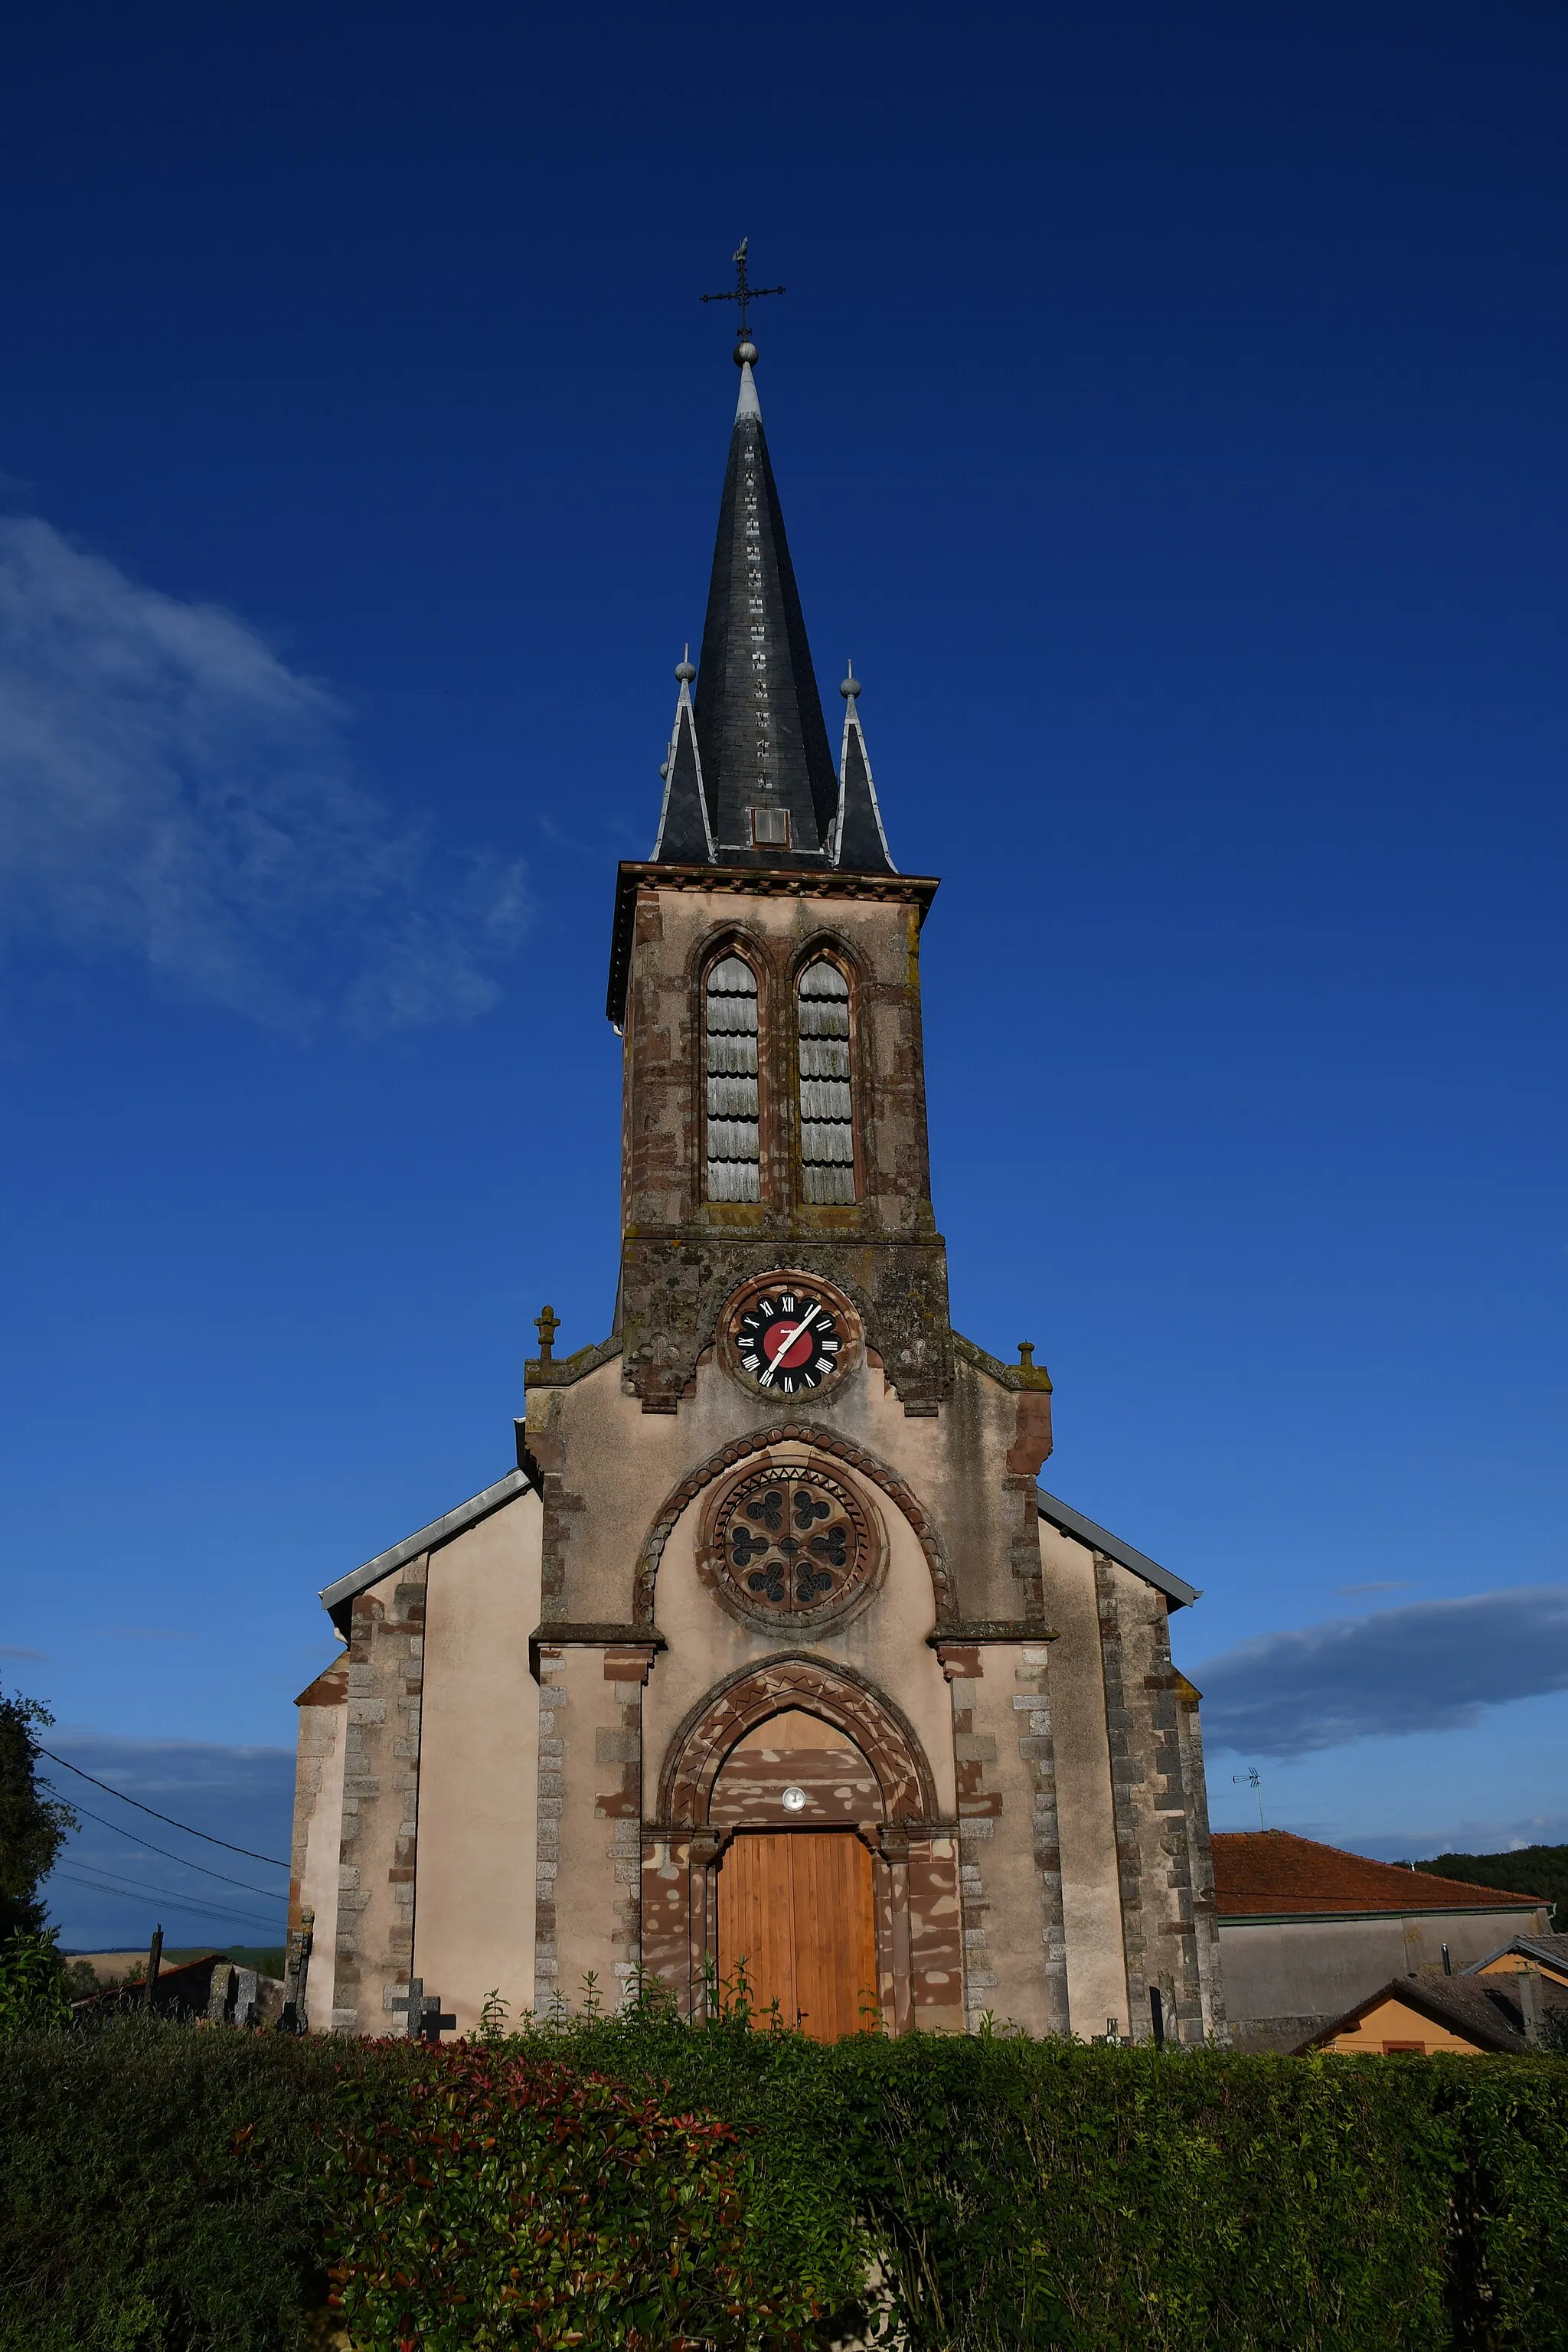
pixel 885 1644
pixel 1311 1967
pixel 1015 1948
pixel 479 1773
pixel 610 1467
pixel 1391 2021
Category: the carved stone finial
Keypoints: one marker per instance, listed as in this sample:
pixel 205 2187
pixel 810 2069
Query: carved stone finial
pixel 546 1325
pixel 1027 1354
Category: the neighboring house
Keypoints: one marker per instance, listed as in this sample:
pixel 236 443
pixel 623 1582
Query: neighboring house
pixel 208 1988
pixel 1473 2014
pixel 182 1990
pixel 1547 1953
pixel 1306 1931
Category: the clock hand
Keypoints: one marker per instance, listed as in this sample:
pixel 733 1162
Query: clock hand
pixel 787 1343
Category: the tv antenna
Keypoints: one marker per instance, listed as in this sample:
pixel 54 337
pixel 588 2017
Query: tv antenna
pixel 1251 1779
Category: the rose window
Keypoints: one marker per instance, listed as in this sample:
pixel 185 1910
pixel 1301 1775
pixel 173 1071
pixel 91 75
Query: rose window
pixel 792 1543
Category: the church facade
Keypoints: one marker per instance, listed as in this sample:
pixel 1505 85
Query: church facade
pixel 770 1664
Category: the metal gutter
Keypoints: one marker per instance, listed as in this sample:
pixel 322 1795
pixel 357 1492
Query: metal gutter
pixel 1321 1919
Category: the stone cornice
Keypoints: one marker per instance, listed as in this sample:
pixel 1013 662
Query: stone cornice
pixel 564 1636
pixel 746 882
pixel 1006 1376
pixel 559 1372
pixel 978 1632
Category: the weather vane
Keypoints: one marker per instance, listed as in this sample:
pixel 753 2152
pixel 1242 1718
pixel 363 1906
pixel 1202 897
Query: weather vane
pixel 741 292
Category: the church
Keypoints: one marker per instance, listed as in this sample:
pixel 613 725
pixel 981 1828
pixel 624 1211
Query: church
pixel 770 1667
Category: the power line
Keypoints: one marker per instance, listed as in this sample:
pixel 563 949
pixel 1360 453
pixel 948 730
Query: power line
pixel 110 1791
pixel 120 1888
pixel 266 1893
pixel 112 1878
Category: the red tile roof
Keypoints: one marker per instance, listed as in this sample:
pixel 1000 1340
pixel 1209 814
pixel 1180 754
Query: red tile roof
pixel 1275 1874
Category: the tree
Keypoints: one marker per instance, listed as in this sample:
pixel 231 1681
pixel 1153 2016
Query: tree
pixel 1540 1870
pixel 33 1826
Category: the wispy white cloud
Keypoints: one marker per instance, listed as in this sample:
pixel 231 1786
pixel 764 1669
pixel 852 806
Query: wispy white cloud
pixel 1466 1836
pixel 1433 1665
pixel 172 791
pixel 11 1650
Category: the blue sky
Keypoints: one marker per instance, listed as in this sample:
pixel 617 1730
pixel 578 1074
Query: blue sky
pixel 1168 411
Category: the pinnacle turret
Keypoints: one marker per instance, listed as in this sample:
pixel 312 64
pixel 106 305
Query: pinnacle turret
pixel 860 843
pixel 685 835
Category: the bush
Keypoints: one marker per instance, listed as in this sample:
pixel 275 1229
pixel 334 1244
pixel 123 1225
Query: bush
pixel 635 2183
pixel 483 2196
pixel 1016 2194
pixel 155 2189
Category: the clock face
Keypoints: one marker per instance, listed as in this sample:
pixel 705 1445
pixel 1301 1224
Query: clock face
pixel 787 1341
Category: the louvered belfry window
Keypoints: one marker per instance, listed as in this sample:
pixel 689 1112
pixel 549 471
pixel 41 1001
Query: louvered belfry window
pixel 827 1121
pixel 734 1153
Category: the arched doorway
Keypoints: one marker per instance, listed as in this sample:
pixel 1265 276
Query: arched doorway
pixel 801 1723
pixel 797 1910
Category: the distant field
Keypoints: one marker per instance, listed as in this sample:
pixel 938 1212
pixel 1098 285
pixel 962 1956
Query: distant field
pixel 109 1967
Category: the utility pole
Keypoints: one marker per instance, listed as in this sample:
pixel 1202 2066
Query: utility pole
pixel 154 1962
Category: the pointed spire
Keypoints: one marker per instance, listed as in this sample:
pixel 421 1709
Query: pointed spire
pixel 685 835
pixel 860 843
pixel 766 767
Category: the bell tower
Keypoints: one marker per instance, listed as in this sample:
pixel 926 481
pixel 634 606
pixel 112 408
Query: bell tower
pixel 764 975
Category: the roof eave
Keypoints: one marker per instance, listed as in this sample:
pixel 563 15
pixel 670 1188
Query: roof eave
pixel 1073 1523
pixel 439 1531
pixel 1325 1918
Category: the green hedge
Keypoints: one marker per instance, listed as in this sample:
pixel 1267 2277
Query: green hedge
pixel 170 2191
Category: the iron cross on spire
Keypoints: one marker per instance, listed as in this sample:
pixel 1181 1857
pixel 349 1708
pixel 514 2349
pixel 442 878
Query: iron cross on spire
pixel 742 291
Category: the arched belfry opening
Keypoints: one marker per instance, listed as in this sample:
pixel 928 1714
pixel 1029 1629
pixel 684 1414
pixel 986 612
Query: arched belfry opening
pixel 826 1102
pixel 733 1106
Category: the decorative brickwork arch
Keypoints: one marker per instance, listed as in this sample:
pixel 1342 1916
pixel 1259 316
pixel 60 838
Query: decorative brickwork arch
pixel 881 1731
pixel 825 1441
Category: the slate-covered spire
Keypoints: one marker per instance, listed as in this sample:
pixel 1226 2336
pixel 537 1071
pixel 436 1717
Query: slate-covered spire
pixel 772 797
pixel 750 779
pixel 685 835
pixel 860 843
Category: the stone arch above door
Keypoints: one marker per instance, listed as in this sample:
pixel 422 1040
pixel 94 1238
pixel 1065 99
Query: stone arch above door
pixel 837 1695
pixel 823 1441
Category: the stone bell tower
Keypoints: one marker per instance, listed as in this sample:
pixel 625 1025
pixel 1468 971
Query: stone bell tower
pixel 766 973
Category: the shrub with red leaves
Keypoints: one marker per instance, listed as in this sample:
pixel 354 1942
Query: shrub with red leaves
pixel 486 2198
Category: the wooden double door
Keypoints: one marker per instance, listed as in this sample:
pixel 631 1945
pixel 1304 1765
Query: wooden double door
pixel 797 1911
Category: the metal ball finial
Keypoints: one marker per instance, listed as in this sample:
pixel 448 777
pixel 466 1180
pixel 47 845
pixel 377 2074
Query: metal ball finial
pixel 684 672
pixel 745 352
pixel 850 686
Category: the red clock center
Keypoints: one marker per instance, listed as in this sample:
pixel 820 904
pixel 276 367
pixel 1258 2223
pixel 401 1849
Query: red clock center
pixel 788 1357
